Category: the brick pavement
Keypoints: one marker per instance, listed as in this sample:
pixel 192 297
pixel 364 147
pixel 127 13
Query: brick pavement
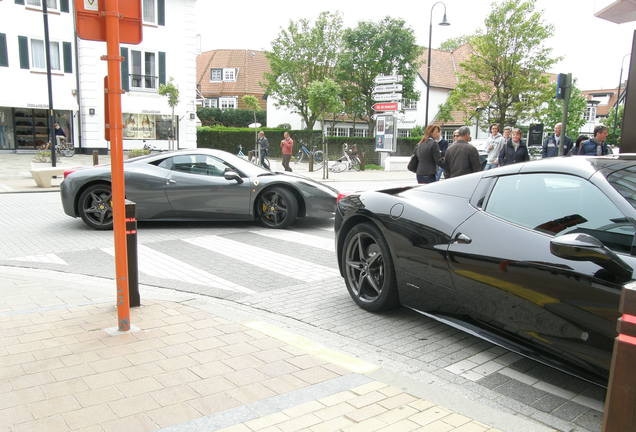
pixel 186 369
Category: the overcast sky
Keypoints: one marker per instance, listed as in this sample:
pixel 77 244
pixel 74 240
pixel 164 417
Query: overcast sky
pixel 592 48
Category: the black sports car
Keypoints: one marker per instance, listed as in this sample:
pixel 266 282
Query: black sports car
pixel 198 184
pixel 530 256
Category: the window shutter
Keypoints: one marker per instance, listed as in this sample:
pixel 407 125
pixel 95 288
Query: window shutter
pixel 4 56
pixel 125 81
pixel 161 12
pixel 162 67
pixel 19 2
pixel 68 57
pixel 64 5
pixel 23 45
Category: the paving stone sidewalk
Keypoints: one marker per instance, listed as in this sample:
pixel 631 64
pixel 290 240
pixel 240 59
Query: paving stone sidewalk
pixel 186 369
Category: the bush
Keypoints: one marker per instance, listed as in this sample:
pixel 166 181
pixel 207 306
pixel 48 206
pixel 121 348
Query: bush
pixel 137 152
pixel 42 156
pixel 284 126
pixel 230 117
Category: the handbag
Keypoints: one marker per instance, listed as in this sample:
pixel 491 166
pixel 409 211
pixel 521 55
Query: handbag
pixel 412 165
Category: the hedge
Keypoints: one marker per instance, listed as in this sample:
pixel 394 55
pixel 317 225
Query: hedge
pixel 230 118
pixel 229 139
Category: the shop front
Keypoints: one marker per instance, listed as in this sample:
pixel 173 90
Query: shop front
pixel 28 128
pixel 149 127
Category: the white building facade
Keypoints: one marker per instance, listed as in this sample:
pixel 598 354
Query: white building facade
pixel 168 50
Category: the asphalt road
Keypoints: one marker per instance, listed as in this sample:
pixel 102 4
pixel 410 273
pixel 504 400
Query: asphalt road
pixel 291 276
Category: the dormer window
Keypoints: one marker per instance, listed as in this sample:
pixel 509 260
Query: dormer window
pixel 229 74
pixel 223 74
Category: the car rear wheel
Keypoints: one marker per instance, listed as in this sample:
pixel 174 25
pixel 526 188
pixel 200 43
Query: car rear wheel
pixel 95 207
pixel 368 268
pixel 277 208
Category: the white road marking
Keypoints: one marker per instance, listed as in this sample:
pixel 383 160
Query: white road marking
pixel 279 263
pixel 45 259
pixel 299 237
pixel 154 263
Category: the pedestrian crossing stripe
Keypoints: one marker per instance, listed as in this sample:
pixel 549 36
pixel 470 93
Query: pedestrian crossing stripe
pixel 157 264
pixel 42 259
pixel 299 237
pixel 266 259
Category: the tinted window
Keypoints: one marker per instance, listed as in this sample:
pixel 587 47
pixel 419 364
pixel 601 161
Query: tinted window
pixel 624 181
pixel 559 204
pixel 195 164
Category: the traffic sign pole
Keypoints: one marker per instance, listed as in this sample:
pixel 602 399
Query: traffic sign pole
pixel 114 92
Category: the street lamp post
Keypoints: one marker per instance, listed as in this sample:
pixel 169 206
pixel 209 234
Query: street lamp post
pixel 428 63
pixel 618 96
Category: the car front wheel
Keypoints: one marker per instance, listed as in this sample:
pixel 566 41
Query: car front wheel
pixel 277 208
pixel 95 207
pixel 368 268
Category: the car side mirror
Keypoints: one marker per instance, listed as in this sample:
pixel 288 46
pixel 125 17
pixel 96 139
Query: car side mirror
pixel 584 247
pixel 232 175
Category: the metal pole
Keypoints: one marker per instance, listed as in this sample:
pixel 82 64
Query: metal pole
pixel 131 250
pixel 114 59
pixel 618 98
pixel 47 53
pixel 566 103
pixel 428 65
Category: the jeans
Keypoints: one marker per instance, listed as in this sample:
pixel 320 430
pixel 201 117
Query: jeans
pixel 425 178
pixel 490 166
pixel 438 174
pixel 264 163
pixel 286 159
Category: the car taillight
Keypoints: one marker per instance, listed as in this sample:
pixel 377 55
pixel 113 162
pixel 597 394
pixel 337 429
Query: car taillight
pixel 69 172
pixel 340 196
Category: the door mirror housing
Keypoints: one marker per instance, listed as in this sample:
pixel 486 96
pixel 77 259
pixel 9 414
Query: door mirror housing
pixel 233 175
pixel 584 247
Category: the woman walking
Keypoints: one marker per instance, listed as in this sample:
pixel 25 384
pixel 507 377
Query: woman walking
pixel 428 155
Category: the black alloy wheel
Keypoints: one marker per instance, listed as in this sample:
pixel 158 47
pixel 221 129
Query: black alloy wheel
pixel 95 207
pixel 277 208
pixel 368 268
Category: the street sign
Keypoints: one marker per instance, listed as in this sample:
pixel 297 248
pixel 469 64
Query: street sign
pixel 387 88
pixel 387 106
pixel 388 79
pixel 381 97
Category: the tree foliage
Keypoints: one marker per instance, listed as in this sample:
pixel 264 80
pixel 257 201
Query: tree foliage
pixel 453 43
pixel 230 117
pixel 614 125
pixel 324 98
pixel 172 93
pixel 302 53
pixel 371 49
pixel 553 112
pixel 507 75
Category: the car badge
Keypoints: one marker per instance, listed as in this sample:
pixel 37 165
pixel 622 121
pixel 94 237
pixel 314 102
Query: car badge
pixel 256 182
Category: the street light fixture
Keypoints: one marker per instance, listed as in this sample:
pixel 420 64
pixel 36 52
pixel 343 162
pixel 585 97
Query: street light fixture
pixel 428 63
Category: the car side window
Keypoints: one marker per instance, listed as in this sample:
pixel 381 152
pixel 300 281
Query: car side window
pixel 195 164
pixel 558 204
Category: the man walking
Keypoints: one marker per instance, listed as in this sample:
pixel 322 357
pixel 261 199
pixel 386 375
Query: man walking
pixel 287 149
pixel 551 143
pixel 461 157
pixel 515 150
pixel 263 145
pixel 595 146
pixel 494 145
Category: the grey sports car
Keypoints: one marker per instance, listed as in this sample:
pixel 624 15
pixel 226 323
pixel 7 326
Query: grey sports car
pixel 198 184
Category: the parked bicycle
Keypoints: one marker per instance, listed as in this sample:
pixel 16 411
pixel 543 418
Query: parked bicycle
pixel 304 152
pixel 349 159
pixel 251 157
pixel 63 147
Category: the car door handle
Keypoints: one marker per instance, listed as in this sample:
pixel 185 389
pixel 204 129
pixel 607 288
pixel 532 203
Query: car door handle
pixel 462 238
pixel 170 181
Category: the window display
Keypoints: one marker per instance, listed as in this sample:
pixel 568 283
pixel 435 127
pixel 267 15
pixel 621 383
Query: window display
pixel 147 126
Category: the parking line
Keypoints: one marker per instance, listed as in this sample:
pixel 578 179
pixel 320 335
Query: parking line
pixel 279 263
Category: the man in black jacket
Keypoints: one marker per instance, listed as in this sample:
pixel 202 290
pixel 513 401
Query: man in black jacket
pixel 515 150
pixel 461 157
pixel 551 143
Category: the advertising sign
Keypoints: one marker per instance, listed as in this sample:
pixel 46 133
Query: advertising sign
pixel 385 133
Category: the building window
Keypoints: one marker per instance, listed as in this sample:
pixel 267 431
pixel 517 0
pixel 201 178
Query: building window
pixel 211 102
pixel 228 103
pixel 50 4
pixel 143 73
pixel 404 133
pixel 150 11
pixel 409 104
pixel 4 54
pixel 38 56
pixel 229 74
pixel 216 75
pixel 447 134
pixel 590 113
pixel 359 132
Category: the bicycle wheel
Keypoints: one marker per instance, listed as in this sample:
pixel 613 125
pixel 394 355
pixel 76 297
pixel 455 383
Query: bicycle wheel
pixel 318 156
pixel 68 151
pixel 338 167
pixel 355 164
pixel 299 156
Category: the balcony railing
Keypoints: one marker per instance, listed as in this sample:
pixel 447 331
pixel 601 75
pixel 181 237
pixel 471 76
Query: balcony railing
pixel 145 82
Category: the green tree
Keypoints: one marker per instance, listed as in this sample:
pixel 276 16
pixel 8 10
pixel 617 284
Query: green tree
pixel 172 92
pixel 371 49
pixel 302 53
pixel 324 98
pixel 251 102
pixel 614 126
pixel 453 43
pixel 507 74
pixel 553 112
